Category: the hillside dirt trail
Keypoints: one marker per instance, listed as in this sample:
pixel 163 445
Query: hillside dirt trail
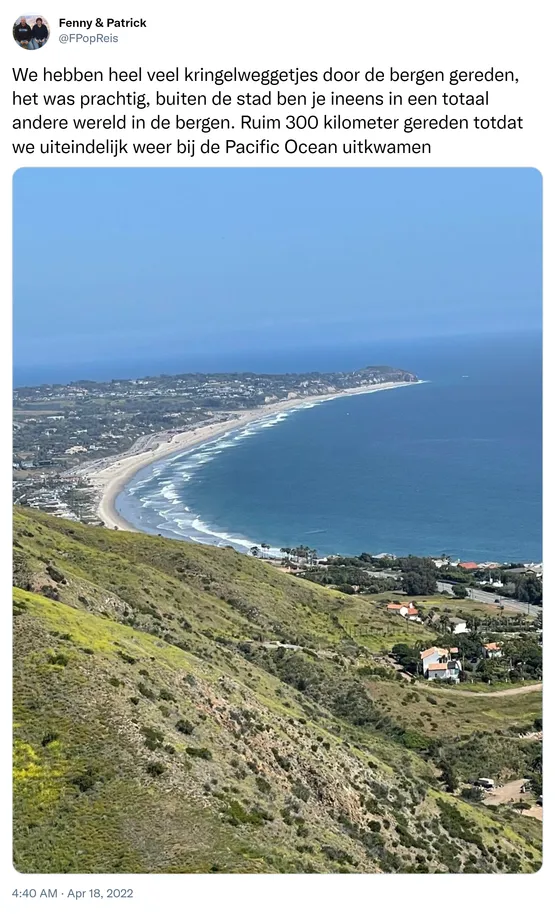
pixel 502 692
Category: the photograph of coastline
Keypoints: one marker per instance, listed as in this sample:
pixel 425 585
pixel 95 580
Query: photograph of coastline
pixel 277 530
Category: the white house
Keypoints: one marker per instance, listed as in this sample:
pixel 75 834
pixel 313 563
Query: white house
pixel 441 663
pixel 403 609
pixel 492 650
pixel 458 626
pixel 449 670
pixel 412 614
pixel 431 655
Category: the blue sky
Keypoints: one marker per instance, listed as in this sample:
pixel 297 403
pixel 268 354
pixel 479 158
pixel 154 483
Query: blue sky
pixel 120 263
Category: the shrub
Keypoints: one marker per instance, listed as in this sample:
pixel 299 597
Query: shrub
pixel 199 753
pixel 238 815
pixel 337 854
pixel 457 825
pixel 144 690
pixel 153 738
pixel 55 574
pixel 85 780
pixel 166 696
pixel 184 726
pixel 155 769
pixel 58 659
pixel 414 740
pixel 126 657
pixel 301 791
pixel 472 794
pixel 48 738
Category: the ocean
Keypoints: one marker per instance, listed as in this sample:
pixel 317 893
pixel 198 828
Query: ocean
pixel 451 466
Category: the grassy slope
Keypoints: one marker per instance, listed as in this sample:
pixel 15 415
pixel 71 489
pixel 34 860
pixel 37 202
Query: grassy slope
pixel 443 711
pixel 104 674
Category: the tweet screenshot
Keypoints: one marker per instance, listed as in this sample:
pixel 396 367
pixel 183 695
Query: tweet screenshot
pixel 265 622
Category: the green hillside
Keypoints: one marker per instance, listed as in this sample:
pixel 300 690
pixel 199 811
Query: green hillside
pixel 180 708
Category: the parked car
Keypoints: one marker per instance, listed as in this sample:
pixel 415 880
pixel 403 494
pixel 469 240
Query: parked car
pixel 486 783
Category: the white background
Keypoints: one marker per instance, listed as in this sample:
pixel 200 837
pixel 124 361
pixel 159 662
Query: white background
pixel 431 34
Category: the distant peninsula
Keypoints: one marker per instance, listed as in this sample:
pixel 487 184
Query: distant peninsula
pixel 73 442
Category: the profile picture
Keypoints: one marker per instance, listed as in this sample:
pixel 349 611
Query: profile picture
pixel 31 32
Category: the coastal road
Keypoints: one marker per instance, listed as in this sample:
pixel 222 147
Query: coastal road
pixel 482 596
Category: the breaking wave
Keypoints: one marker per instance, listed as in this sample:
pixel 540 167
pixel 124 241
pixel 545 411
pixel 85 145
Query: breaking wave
pixel 156 498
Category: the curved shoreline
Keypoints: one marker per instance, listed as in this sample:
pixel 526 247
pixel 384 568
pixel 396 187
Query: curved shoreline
pixel 112 476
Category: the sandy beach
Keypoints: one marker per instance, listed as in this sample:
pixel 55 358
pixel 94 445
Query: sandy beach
pixel 109 476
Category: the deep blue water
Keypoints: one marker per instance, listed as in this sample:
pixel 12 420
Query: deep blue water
pixel 452 466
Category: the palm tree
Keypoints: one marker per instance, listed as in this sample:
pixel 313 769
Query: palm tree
pixel 255 551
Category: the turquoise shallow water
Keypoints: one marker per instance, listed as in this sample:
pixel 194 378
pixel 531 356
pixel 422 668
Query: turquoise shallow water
pixel 452 466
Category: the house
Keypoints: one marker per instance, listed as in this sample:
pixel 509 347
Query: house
pixel 468 566
pixel 492 650
pixel 441 663
pixel 412 614
pixel 458 626
pixel 401 608
pixel 431 655
pixel 449 670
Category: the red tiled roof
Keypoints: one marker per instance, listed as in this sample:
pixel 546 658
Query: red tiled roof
pixel 412 611
pixel 468 565
pixel 437 666
pixel 429 651
pixel 492 647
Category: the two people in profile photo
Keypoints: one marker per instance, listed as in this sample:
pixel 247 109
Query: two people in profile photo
pixel 31 32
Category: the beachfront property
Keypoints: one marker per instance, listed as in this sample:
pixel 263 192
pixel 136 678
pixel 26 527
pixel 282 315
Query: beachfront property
pixel 492 650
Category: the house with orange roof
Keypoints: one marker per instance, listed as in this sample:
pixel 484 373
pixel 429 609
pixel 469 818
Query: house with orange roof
pixel 431 655
pixel 401 608
pixel 468 566
pixel 407 610
pixel 493 649
pixel 441 663
pixel 450 669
